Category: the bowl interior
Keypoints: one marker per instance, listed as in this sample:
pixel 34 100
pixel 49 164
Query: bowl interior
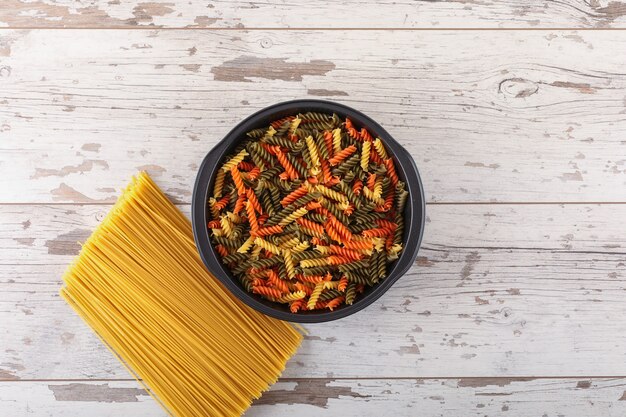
pixel 414 213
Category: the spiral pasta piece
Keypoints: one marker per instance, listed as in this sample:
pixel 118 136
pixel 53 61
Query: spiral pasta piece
pixel 247 245
pixel 278 123
pixel 377 232
pixel 294 195
pixel 323 249
pixel 341 228
pixel 254 201
pixel 313 232
pixel 343 283
pixel 338 260
pixel 221 249
pixel 330 285
pixel 310 143
pixel 380 148
pixel 252 219
pixel 375 158
pixel 301 246
pixel 284 161
pixel 401 197
pixel 332 194
pixel 254 173
pixel 346 253
pixel 221 203
pixel 310 263
pixel 392 253
pixel 369 194
pixel 342 154
pixel 336 141
pixel 289 264
pixel 377 191
pixel 218 187
pixel 359 245
pixel 304 222
pixel 267 291
pixel 391 171
pixel 294 296
pixel 239 204
pixel 333 233
pixel 335 302
pixel 328 142
pixel 350 294
pixel 294 125
pixel 289 243
pixel 256 252
pixel 296 306
pixel 365 155
pixel 275 281
pixel 267 231
pixel 315 295
pixel 235 160
pixel 352 132
pixel 293 216
pixel 270 247
pixel 238 180
pixel 389 199
pixel 365 135
pixel 226 226
pixel 314 279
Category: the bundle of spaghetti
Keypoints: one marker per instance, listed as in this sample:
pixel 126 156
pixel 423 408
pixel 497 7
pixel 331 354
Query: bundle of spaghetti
pixel 141 286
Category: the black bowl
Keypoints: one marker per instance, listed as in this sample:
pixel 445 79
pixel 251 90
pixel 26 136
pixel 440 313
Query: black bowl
pixel 414 214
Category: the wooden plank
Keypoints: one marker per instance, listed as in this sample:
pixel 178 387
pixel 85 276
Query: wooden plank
pixel 324 13
pixel 507 290
pixel 536 116
pixel 327 397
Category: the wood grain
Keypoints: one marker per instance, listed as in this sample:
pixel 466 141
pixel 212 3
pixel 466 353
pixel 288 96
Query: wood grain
pixel 321 14
pixel 536 116
pixel 509 397
pixel 498 290
pixel 501 296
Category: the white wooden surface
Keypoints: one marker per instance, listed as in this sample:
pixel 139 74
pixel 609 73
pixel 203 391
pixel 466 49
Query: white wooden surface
pixel 525 120
pixel 510 397
pixel 515 305
pixel 320 14
pixel 498 290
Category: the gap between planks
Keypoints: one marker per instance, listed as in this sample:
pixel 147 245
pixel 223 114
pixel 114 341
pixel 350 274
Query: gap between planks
pixel 312 29
pixel 431 203
pixel 371 378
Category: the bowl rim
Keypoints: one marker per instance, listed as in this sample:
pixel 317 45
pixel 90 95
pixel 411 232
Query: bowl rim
pixel 405 165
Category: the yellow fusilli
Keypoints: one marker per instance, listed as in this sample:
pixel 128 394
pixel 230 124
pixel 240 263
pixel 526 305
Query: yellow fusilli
pixel 335 195
pixel 380 148
pixel 226 226
pixel 337 140
pixel 247 245
pixel 294 125
pixel 301 246
pixel 311 263
pixel 293 216
pixel 234 161
pixel 365 155
pixel 323 249
pixel 268 246
pixel 315 295
pixel 289 266
pixel 293 296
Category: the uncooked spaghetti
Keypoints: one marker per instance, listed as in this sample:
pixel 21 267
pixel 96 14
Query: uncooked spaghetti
pixel 140 284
